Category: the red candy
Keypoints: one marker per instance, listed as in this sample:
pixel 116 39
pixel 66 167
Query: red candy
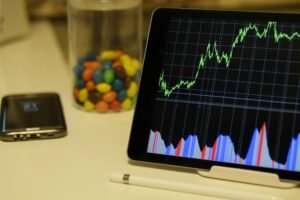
pixel 115 105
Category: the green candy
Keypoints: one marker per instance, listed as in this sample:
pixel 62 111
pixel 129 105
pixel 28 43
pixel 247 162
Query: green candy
pixel 134 99
pixel 109 76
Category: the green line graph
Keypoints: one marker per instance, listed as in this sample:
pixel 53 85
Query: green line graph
pixel 212 52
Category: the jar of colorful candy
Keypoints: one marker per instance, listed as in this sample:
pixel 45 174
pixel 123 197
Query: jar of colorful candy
pixel 105 45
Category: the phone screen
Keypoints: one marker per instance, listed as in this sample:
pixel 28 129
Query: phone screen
pixel 19 112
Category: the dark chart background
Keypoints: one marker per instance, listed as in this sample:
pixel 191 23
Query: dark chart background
pixel 260 85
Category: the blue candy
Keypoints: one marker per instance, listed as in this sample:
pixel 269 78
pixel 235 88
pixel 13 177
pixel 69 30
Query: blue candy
pixel 118 85
pixel 97 76
pixel 78 70
pixel 122 95
pixel 107 64
pixel 81 61
pixel 91 56
pixel 80 83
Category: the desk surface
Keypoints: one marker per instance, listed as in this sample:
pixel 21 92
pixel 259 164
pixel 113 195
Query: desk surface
pixel 78 166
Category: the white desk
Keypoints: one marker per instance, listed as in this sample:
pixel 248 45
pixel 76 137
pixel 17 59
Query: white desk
pixel 78 166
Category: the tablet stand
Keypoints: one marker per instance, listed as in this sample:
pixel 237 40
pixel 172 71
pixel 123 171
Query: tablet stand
pixel 246 176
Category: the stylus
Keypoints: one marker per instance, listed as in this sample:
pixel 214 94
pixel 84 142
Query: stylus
pixel 189 188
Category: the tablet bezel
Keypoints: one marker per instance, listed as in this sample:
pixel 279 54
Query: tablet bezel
pixel 141 126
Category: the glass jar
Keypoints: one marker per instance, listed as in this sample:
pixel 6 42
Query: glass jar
pixel 105 50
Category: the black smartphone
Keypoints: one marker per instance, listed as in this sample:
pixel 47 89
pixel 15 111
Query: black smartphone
pixel 31 117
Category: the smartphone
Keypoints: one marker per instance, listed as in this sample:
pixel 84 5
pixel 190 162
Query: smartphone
pixel 32 117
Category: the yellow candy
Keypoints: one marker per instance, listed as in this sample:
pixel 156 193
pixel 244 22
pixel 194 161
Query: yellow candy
pixel 83 95
pixel 127 104
pixel 130 65
pixel 136 64
pixel 89 106
pixel 108 55
pixel 103 87
pixel 130 71
pixel 131 92
pixel 125 58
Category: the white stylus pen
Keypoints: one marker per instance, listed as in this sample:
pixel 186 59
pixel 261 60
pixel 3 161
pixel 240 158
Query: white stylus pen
pixel 189 188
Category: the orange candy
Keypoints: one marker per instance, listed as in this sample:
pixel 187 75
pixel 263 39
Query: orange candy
pixel 76 93
pixel 92 65
pixel 87 74
pixel 90 86
pixel 115 105
pixel 119 54
pixel 110 96
pixel 117 63
pixel 102 106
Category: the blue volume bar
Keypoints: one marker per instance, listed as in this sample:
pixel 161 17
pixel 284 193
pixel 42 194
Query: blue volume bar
pixel 293 154
pixel 223 150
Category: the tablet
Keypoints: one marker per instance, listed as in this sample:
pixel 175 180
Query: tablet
pixel 220 88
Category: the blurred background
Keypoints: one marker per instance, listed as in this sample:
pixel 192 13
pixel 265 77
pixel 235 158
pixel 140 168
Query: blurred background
pixel 56 11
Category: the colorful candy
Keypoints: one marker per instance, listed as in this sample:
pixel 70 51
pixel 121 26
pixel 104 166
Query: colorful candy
pixel 78 70
pixel 91 55
pixel 102 106
pixel 87 74
pixel 97 76
pixel 93 65
pixel 108 55
pixel 122 95
pixel 95 96
pixel 109 76
pixel 90 86
pixel 116 105
pixel 103 87
pixel 107 81
pixel 118 85
pixel 83 95
pixel 110 96
pixel 89 106
pixel 127 104
pixel 107 64
pixel 132 90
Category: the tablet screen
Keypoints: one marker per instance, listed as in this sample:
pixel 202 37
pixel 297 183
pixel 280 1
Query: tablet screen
pixel 225 91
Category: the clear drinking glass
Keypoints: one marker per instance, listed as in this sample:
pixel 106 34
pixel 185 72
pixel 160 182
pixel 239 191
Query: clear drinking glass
pixel 105 42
